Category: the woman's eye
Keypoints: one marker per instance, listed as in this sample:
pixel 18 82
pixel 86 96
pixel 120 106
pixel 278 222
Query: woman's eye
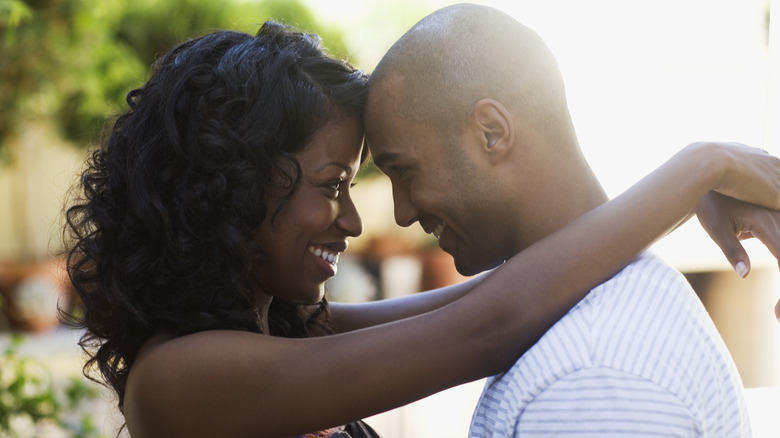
pixel 335 187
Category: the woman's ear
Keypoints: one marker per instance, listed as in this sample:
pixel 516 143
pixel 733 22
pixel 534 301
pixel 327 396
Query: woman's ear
pixel 493 124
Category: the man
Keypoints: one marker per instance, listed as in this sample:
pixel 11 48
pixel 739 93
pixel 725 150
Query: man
pixel 467 115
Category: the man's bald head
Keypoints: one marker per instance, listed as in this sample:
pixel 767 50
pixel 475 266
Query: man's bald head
pixel 463 53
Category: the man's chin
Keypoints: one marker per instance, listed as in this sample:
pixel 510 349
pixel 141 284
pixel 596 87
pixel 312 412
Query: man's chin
pixel 469 268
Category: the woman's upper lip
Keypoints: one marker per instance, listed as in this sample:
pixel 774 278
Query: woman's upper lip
pixel 337 247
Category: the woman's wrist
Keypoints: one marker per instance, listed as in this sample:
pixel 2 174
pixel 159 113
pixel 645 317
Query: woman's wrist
pixel 741 172
pixel 709 162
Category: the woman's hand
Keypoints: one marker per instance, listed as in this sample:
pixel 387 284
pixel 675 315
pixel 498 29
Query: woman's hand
pixel 728 221
pixel 746 173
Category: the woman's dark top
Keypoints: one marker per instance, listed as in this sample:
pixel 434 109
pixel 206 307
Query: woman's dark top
pixel 358 429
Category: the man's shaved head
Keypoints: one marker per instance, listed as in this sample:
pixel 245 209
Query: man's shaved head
pixel 463 53
pixel 467 115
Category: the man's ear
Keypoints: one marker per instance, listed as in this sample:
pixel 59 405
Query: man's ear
pixel 494 127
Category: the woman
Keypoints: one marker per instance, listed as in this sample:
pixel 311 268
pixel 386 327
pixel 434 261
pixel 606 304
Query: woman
pixel 217 209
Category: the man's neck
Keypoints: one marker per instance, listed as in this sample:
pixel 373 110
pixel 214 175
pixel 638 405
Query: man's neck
pixel 565 203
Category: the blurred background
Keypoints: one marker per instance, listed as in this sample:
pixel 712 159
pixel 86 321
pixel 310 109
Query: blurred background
pixel 644 78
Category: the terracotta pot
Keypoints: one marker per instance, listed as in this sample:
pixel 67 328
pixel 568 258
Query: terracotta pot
pixel 31 293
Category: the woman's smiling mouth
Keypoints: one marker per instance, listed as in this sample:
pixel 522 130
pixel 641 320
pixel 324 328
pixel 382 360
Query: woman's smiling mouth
pixel 327 254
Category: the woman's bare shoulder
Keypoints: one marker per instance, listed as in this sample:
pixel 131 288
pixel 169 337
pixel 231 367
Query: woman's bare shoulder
pixel 174 377
pixel 233 383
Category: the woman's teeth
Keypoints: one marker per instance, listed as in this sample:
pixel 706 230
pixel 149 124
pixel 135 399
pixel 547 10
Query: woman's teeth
pixel 328 256
pixel 438 230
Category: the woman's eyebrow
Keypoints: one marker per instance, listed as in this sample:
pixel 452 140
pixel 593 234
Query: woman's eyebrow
pixel 346 167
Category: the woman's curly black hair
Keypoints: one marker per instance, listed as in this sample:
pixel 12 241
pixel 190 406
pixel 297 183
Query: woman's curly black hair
pixel 161 232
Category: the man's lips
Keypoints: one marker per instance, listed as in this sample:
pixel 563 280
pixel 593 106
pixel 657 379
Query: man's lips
pixel 436 230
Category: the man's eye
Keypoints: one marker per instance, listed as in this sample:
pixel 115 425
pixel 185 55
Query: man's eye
pixel 400 171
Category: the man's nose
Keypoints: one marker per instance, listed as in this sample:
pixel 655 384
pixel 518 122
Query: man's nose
pixel 405 212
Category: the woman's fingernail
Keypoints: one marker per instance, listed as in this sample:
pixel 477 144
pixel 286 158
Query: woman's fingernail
pixel 741 269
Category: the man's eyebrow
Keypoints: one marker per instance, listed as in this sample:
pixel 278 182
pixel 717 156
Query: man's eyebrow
pixel 385 158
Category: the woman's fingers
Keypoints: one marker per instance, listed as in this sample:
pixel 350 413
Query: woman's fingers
pixel 729 221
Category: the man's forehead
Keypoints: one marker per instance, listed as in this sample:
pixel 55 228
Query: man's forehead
pixel 389 83
pixel 387 94
pixel 384 127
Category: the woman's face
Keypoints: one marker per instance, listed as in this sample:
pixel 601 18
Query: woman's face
pixel 310 231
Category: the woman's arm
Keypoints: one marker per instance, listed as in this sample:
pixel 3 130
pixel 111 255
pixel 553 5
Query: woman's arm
pixel 353 316
pixel 725 219
pixel 231 383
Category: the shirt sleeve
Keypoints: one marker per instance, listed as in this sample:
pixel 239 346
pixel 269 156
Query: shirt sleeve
pixel 601 402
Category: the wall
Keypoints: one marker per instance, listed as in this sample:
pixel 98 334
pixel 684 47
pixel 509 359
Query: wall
pixel 32 193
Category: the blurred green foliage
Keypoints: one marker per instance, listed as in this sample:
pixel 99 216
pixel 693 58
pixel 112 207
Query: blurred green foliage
pixel 73 61
pixel 29 399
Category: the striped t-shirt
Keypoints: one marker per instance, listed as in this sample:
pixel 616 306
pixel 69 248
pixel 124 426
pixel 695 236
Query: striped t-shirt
pixel 638 356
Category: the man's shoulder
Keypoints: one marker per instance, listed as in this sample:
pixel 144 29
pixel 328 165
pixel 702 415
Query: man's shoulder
pixel 627 316
pixel 639 323
pixel 648 267
pixel 647 274
pixel 642 298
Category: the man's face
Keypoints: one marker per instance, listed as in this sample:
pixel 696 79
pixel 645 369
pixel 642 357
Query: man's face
pixel 435 183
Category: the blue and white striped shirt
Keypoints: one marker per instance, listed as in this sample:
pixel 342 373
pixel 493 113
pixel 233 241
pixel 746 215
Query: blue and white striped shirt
pixel 638 356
